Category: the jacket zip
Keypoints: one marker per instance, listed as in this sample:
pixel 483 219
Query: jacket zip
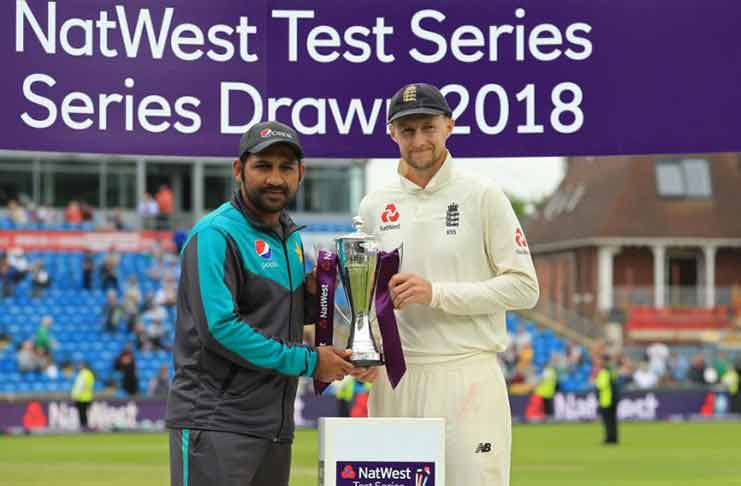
pixel 290 323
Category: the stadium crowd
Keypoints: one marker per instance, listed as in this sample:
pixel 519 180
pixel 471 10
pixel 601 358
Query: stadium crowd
pixel 134 296
pixel 114 310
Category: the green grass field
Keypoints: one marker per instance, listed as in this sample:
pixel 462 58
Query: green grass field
pixel 651 454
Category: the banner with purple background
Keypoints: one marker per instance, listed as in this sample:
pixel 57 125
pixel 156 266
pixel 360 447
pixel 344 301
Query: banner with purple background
pixel 646 405
pixel 523 77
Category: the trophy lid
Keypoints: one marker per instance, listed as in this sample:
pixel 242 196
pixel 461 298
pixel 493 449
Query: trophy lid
pixel 359 234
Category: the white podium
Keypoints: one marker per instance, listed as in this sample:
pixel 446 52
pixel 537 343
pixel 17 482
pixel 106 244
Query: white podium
pixel 381 452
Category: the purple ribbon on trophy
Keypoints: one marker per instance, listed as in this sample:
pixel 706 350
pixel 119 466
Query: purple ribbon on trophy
pixel 326 276
pixel 396 366
pixel 365 273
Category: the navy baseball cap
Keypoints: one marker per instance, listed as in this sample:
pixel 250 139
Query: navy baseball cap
pixel 266 134
pixel 418 99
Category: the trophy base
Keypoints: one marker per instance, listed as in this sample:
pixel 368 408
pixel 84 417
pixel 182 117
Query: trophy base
pixel 366 359
pixel 366 363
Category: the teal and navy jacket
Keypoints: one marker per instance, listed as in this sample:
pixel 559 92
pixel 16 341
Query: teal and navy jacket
pixel 239 329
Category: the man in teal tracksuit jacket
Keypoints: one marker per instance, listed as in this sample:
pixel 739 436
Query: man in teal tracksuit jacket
pixel 238 342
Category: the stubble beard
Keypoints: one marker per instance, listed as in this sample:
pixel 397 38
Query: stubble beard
pixel 424 165
pixel 259 201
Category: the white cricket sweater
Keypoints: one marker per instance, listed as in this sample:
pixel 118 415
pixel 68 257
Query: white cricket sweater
pixel 461 234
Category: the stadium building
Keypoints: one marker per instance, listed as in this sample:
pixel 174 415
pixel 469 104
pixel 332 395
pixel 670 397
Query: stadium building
pixel 330 192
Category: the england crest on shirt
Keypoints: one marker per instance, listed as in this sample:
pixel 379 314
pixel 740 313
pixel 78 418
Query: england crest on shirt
pixel 452 219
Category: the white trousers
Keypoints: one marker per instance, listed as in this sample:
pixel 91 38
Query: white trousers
pixel 471 395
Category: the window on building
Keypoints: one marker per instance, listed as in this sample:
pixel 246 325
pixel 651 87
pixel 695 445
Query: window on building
pixel 121 185
pixel 217 186
pixel 325 190
pixel 688 178
pixel 16 182
pixel 62 182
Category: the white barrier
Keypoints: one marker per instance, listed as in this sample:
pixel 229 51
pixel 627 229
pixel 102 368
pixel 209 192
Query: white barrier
pixel 381 452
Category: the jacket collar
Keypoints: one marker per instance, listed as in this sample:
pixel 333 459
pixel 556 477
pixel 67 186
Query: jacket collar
pixel 442 178
pixel 288 225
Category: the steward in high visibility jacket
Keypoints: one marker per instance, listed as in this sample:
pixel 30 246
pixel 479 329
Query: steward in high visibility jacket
pixel 606 384
pixel 82 393
pixel 546 389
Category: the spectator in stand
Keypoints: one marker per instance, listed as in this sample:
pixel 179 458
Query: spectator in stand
pixel 132 302
pixel 156 332
pixel 112 312
pixel 168 294
pixel 644 376
pixel 574 356
pixel 44 215
pixel 172 267
pixel 521 339
pixel 721 364
pixel 86 212
pixel 48 367
pixel 523 375
pixel 508 360
pixel 696 373
pixel 179 237
pixel 126 363
pixel 73 213
pixel 165 205
pixel 159 386
pixel 658 354
pixel 148 302
pixel 27 358
pixel 43 340
pixel 17 213
pixel 679 366
pixel 88 266
pixel 158 312
pixel 109 270
pixel 19 263
pixel 7 277
pixel 156 271
pixel 116 220
pixel 40 279
pixel 148 211
pixel 141 339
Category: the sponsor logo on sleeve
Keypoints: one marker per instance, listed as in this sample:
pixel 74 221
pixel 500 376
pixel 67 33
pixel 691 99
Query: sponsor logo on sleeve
pixel 521 243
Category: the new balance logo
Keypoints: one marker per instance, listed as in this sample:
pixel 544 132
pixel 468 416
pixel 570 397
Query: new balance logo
pixel 483 447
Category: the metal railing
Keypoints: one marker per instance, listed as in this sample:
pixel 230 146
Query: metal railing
pixel 674 296
pixel 572 320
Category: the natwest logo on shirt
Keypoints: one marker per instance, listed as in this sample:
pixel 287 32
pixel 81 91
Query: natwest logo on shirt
pixel 389 218
pixel 390 214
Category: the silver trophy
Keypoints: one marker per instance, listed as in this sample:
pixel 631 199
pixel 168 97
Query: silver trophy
pixel 357 258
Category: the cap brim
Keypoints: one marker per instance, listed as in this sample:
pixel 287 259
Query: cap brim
pixel 269 143
pixel 418 111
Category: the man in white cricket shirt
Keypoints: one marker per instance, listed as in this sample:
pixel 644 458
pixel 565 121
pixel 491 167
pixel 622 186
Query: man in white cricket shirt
pixel 465 263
